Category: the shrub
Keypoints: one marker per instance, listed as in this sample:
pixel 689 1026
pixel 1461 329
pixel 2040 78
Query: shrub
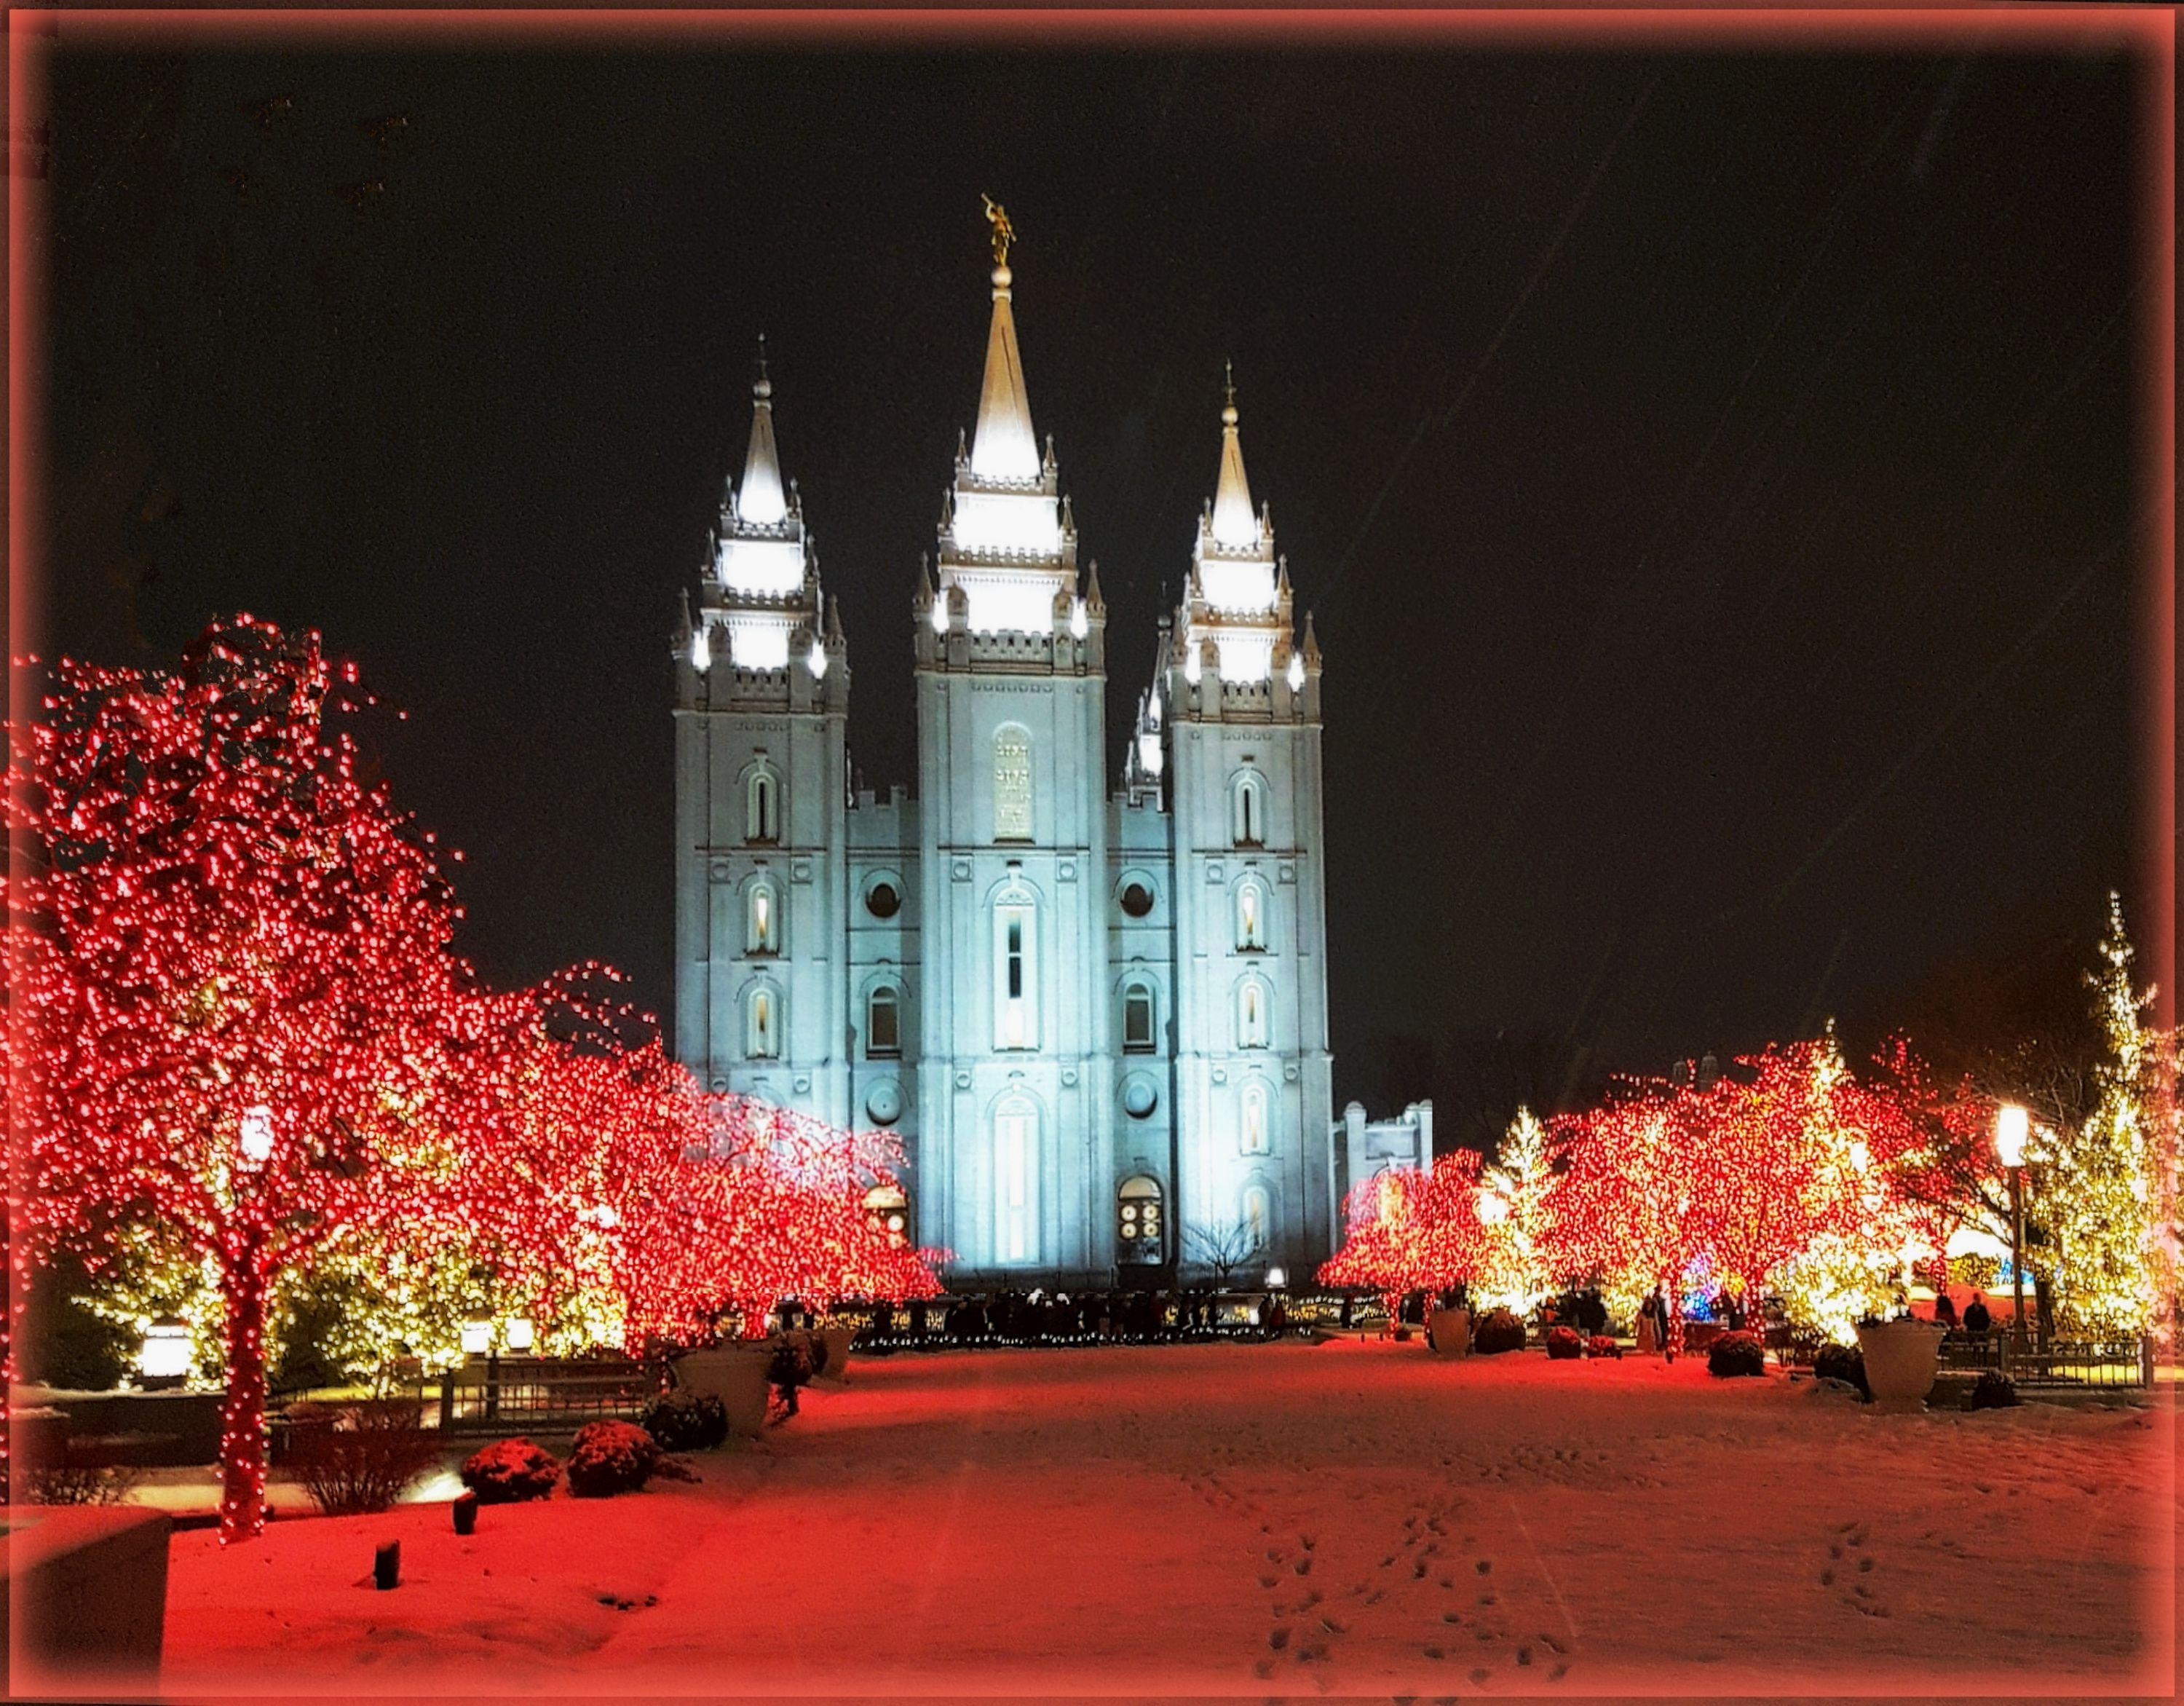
pixel 1564 1344
pixel 686 1421
pixel 1844 1363
pixel 1994 1390
pixel 1500 1331
pixel 1601 1345
pixel 1735 1353
pixel 353 1458
pixel 610 1457
pixel 510 1472
pixel 1402 1335
pixel 90 1483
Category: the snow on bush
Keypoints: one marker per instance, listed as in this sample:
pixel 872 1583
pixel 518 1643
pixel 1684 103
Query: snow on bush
pixel 1844 1363
pixel 1564 1344
pixel 1601 1345
pixel 683 1421
pixel 354 1458
pixel 1994 1390
pixel 611 1458
pixel 1500 1331
pixel 510 1472
pixel 1735 1353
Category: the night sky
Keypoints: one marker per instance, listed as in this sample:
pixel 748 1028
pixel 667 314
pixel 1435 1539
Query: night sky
pixel 1713 475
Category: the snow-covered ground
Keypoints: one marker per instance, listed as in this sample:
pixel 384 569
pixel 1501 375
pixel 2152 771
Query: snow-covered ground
pixel 1263 1521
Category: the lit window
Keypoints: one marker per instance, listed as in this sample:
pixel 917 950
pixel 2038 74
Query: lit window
pixel 1138 1019
pixel 1250 826
pixel 1011 783
pixel 887 1211
pixel 1250 916
pixel 1251 1026
pixel 1016 1000
pixel 1258 1216
pixel 1137 1228
pixel 763 1020
pixel 760 934
pixel 762 809
pixel 1015 1180
pixel 883 1022
pixel 1255 1119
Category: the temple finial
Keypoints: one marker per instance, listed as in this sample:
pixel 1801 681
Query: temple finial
pixel 1004 233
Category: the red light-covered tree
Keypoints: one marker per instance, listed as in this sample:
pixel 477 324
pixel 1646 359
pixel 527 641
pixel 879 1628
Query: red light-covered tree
pixel 1411 1230
pixel 232 988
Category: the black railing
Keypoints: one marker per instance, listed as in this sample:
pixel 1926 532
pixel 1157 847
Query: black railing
pixel 2062 1362
pixel 495 1394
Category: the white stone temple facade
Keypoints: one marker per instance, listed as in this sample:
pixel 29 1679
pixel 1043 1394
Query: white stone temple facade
pixel 1091 1001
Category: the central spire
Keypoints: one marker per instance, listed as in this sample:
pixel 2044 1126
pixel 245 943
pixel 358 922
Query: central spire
pixel 1004 447
pixel 760 499
pixel 1234 524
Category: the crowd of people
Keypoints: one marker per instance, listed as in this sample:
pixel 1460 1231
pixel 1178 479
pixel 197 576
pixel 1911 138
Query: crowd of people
pixel 1074 1317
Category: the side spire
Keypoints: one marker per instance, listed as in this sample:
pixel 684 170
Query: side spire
pixel 1234 526
pixel 760 499
pixel 1004 447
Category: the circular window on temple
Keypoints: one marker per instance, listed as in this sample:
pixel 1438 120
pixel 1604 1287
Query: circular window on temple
pixel 1137 898
pixel 884 900
pixel 1139 1097
pixel 883 1102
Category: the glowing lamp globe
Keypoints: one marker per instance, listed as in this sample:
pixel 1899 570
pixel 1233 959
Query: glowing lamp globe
pixel 1276 1277
pixel 477 1338
pixel 254 1134
pixel 521 1334
pixel 2012 1126
pixel 164 1355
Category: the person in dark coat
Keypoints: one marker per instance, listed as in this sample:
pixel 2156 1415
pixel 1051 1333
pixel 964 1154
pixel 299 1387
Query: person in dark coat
pixel 1976 1317
pixel 1945 1309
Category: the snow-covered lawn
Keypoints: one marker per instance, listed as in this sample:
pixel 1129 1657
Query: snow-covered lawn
pixel 1258 1520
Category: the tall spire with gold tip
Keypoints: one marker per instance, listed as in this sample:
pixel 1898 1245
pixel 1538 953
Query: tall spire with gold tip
pixel 760 498
pixel 1004 447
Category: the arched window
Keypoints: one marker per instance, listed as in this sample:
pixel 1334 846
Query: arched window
pixel 883 1022
pixel 762 1023
pixel 1258 1206
pixel 1252 1136
pixel 1137 1018
pixel 1015 1180
pixel 887 1211
pixel 762 807
pixel 1139 1234
pixel 1248 810
pixel 761 921
pixel 1011 782
pixel 1250 916
pixel 1254 1024
pixel 1016 953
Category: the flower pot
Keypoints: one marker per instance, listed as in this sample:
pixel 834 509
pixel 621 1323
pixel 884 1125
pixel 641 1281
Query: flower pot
pixel 736 1375
pixel 1902 1359
pixel 1450 1329
pixel 837 1341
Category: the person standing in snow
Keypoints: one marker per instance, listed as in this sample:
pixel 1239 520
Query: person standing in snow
pixel 1945 1309
pixel 1976 1318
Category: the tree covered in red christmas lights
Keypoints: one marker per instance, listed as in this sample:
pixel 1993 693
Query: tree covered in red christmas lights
pixel 1411 1230
pixel 231 983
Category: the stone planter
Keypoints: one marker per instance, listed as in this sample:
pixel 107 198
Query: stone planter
pixel 1450 1330
pixel 84 1595
pixel 837 1341
pixel 1902 1359
pixel 736 1375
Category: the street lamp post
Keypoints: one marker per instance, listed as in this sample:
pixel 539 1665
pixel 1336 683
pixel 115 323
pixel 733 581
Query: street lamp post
pixel 2011 1125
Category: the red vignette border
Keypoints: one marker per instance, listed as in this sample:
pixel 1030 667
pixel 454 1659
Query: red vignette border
pixel 2150 33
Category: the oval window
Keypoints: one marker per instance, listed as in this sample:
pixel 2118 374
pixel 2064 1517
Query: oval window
pixel 1137 900
pixel 883 900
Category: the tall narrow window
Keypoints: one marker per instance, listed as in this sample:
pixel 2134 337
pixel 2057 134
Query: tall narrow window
pixel 762 808
pixel 762 934
pixel 762 1024
pixel 883 1022
pixel 1255 1119
pixel 1011 783
pixel 1015 999
pixel 1015 1180
pixel 1136 1020
pixel 1139 1234
pixel 1258 1216
pixel 1248 810
pixel 1250 916
pixel 1251 1025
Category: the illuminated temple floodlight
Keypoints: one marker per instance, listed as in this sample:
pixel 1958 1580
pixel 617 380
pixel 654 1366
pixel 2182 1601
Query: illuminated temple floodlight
pixel 1297 673
pixel 701 651
pixel 817 660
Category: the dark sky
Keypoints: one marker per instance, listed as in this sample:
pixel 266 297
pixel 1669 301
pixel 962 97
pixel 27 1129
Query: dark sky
pixel 1713 474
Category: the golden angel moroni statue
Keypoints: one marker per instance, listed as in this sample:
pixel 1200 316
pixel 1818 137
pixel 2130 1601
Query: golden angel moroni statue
pixel 1004 233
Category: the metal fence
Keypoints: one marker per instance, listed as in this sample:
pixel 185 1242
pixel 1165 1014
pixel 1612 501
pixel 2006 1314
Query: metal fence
pixel 548 1395
pixel 2062 1362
